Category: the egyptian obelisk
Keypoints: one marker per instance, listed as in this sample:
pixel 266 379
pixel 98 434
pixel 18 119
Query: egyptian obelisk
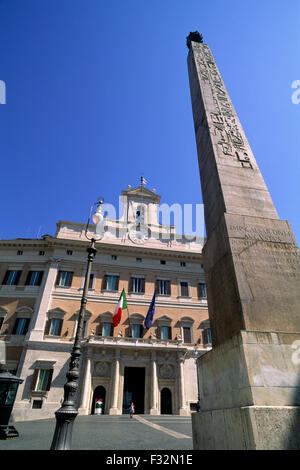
pixel 249 381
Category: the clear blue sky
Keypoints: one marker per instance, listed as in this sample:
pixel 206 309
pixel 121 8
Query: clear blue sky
pixel 98 93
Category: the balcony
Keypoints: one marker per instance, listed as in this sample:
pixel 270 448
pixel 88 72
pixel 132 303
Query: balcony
pixel 143 343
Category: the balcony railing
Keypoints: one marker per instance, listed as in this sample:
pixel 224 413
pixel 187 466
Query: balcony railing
pixel 145 342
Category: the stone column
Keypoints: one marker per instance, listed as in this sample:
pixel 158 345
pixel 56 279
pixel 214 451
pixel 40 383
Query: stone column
pixel 37 326
pixel 116 379
pixel 154 385
pixel 183 411
pixel 86 387
pixel 249 381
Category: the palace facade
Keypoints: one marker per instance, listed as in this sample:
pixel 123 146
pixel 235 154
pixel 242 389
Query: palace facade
pixel 42 284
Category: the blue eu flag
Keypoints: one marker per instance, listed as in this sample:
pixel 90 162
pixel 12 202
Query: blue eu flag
pixel 149 316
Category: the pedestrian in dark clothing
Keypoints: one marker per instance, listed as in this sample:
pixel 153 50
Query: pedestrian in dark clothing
pixel 131 409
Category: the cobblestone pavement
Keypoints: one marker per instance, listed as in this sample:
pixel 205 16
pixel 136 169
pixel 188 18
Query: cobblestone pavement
pixel 104 432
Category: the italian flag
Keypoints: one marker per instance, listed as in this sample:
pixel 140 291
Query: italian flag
pixel 121 305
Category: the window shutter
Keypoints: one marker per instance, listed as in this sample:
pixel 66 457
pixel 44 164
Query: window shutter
pixel 157 286
pixel 187 335
pixel 26 326
pixel 184 289
pixel 39 282
pixel 5 279
pixel 158 332
pixel 27 282
pixel 34 379
pixel 117 283
pixel 130 285
pixel 168 288
pixel 201 291
pixel 169 332
pixel 70 280
pixel 91 281
pixel 60 327
pixel 104 282
pixel 49 380
pixel 205 336
pixel 112 329
pixel 15 326
pixel 58 277
pixel 99 330
pixel 143 285
pixel 47 327
pixel 18 277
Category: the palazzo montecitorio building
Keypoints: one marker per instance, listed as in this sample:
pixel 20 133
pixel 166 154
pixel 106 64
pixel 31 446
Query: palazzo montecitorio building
pixel 41 287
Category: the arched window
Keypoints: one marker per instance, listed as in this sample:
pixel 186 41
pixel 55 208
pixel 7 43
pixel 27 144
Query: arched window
pixel 99 397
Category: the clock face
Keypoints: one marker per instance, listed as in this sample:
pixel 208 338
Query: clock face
pixel 138 234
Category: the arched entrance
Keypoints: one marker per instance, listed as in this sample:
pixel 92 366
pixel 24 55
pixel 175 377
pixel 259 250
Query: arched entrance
pixel 99 392
pixel 166 401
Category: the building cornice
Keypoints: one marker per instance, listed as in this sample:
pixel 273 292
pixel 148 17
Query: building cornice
pixel 144 302
pixel 103 247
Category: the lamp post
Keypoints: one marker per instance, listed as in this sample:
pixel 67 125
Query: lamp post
pixel 9 384
pixel 198 408
pixel 67 413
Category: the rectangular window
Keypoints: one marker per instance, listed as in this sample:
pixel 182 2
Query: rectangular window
pixel 64 279
pixel 184 289
pixel 136 331
pixel 114 257
pixel 202 290
pixel 37 404
pixel 21 326
pixel 69 252
pixel 165 332
pixel 139 260
pixel 34 278
pixel 41 253
pixel 111 282
pixel 11 278
pixel 91 281
pixel 55 329
pixel 107 329
pixel 20 252
pixel 43 379
pixel 138 285
pixel 163 287
pixel 182 263
pixel 162 261
pixel 187 337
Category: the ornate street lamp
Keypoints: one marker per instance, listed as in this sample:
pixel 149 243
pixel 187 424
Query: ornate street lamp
pixel 67 413
pixel 9 384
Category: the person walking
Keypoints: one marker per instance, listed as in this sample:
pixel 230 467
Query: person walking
pixel 131 409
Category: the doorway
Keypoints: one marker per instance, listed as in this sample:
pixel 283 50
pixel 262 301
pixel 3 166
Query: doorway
pixel 134 389
pixel 99 392
pixel 166 401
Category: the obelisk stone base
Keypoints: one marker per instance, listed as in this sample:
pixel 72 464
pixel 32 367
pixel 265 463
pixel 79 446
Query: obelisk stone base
pixel 247 428
pixel 250 393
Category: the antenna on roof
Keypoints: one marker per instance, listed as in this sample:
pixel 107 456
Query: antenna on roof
pixel 143 181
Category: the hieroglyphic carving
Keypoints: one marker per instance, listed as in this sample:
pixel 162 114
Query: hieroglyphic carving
pixel 226 126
